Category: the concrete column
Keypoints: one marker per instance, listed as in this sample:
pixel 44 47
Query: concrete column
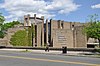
pixel 28 20
pixel 47 31
pixel 42 30
pixel 74 37
pixel 25 24
pixel 60 24
pixel 34 16
pixel 51 32
pixel 35 37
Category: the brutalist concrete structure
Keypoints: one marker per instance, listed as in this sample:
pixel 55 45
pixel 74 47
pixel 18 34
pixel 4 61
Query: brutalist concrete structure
pixel 67 34
pixel 38 23
pixel 56 32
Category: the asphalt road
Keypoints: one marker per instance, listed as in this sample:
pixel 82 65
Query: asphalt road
pixel 11 58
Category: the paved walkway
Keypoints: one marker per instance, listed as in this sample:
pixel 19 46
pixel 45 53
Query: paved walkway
pixel 50 52
pixel 53 52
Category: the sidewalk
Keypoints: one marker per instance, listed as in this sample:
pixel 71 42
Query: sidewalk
pixel 46 52
pixel 69 53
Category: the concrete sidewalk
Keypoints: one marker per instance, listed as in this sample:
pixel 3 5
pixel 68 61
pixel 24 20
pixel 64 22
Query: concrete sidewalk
pixel 73 53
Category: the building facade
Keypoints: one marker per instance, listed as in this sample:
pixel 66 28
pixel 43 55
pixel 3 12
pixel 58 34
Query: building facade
pixel 38 23
pixel 66 34
pixel 56 32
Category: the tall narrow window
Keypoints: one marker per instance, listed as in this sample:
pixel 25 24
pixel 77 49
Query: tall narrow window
pixel 62 25
pixel 58 23
pixel 35 33
pixel 72 27
pixel 26 21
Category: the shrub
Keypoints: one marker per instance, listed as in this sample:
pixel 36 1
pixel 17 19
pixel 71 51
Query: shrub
pixel 20 38
pixel 98 50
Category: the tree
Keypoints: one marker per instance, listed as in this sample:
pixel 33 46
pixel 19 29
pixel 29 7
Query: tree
pixel 1 34
pixel 2 19
pixel 20 38
pixel 31 34
pixel 92 28
pixel 9 25
pixel 5 26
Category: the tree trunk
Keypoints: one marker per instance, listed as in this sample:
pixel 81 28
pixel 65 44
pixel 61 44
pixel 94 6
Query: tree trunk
pixel 99 43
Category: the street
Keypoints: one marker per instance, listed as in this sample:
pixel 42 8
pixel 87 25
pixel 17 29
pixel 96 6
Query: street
pixel 15 58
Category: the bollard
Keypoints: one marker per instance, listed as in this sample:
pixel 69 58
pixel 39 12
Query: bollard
pixel 64 50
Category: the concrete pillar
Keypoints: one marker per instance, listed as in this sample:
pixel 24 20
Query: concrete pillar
pixel 75 38
pixel 73 31
pixel 35 37
pixel 59 24
pixel 42 30
pixel 25 23
pixel 28 20
pixel 51 32
pixel 35 17
pixel 47 31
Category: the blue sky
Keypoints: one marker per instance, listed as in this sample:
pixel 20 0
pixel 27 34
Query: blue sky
pixel 67 10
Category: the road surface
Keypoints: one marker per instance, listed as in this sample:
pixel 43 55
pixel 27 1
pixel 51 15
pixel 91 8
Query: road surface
pixel 11 58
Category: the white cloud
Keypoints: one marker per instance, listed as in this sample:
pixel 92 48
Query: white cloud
pixel 65 6
pixel 95 6
pixel 19 8
pixel 10 18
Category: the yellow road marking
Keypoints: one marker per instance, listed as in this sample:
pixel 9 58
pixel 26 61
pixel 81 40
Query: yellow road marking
pixel 48 60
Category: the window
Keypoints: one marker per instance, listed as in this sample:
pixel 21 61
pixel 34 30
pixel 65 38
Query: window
pixel 61 25
pixel 58 23
pixel 35 33
pixel 72 26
